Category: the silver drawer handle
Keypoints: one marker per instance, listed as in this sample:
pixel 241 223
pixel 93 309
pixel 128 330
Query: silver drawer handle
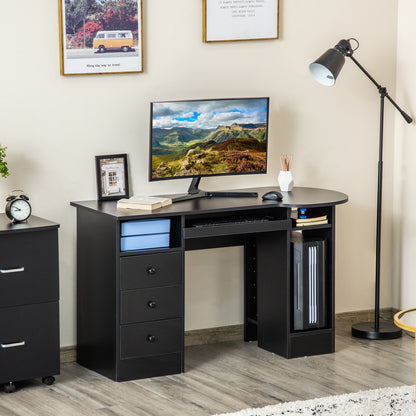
pixel 17 270
pixel 14 344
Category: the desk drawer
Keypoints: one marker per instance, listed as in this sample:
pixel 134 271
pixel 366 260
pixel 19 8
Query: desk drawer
pixel 28 268
pixel 150 366
pixel 29 341
pixel 151 304
pixel 150 270
pixel 151 338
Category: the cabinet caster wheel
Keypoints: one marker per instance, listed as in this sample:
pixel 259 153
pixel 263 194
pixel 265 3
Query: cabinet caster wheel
pixel 9 388
pixel 48 380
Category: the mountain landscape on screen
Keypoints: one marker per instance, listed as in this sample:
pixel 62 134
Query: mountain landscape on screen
pixel 208 138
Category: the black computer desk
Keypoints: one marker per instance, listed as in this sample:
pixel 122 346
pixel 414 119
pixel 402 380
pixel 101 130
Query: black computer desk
pixel 130 305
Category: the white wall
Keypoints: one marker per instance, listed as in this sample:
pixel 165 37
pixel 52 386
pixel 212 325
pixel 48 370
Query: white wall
pixel 405 167
pixel 54 126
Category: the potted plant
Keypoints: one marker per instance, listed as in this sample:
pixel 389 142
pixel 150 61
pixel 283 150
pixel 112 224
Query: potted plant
pixel 4 170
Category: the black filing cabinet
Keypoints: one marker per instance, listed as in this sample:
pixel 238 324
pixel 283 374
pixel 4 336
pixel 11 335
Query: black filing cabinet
pixel 29 301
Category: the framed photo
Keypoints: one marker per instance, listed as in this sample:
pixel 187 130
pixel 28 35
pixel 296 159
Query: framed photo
pixel 112 177
pixel 229 20
pixel 100 36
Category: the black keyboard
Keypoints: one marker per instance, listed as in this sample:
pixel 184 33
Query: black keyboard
pixel 226 194
pixel 231 221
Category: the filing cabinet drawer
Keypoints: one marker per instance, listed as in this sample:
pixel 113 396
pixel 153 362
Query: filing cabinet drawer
pixel 151 338
pixel 28 268
pixel 150 366
pixel 29 341
pixel 150 270
pixel 151 304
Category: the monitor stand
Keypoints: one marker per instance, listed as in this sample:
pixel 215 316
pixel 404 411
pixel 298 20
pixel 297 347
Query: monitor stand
pixel 194 193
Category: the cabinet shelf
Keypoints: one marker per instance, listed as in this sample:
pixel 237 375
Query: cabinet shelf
pixel 312 227
pixel 151 251
pixel 301 333
pixel 164 238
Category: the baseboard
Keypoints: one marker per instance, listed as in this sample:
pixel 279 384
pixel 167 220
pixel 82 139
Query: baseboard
pixel 214 335
pixel 349 318
pixel 236 332
pixel 68 354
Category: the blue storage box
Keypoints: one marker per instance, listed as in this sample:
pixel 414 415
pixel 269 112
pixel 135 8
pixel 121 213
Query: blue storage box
pixel 145 234
pixel 139 227
pixel 141 242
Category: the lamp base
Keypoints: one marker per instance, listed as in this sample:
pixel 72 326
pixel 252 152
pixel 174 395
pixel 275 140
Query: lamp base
pixel 366 330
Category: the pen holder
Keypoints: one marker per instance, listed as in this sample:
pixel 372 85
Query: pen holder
pixel 285 180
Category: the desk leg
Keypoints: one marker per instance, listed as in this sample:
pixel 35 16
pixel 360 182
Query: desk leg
pixel 273 291
pixel 250 289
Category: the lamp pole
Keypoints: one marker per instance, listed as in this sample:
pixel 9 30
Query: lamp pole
pixel 383 93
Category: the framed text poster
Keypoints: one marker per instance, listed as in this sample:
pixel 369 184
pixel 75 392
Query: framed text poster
pixel 100 36
pixel 228 20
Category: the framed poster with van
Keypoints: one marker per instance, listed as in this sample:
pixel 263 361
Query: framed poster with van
pixel 100 36
pixel 228 20
pixel 112 177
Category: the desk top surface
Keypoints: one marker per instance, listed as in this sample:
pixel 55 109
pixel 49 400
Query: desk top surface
pixel 299 197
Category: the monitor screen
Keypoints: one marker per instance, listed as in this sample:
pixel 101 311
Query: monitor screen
pixel 208 137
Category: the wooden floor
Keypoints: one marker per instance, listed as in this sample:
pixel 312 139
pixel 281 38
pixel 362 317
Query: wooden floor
pixel 220 378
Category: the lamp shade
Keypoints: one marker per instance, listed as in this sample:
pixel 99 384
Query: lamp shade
pixel 327 67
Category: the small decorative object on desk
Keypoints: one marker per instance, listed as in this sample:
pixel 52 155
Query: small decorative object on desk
pixel 143 202
pixel 285 175
pixel 18 208
pixel 112 177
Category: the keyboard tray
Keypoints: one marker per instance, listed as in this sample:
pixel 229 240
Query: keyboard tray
pixel 229 228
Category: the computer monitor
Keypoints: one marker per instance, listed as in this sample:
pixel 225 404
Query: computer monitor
pixel 211 137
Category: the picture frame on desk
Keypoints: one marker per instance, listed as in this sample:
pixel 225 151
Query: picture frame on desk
pixel 100 37
pixel 112 177
pixel 224 20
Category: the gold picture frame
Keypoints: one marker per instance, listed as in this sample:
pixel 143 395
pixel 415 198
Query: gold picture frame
pixel 228 20
pixel 100 37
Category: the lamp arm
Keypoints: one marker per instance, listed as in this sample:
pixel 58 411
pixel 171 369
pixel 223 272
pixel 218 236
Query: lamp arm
pixel 382 90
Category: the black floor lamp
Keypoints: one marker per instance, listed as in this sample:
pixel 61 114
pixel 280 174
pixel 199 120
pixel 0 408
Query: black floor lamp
pixel 325 70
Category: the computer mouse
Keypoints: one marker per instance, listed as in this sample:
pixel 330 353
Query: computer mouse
pixel 272 196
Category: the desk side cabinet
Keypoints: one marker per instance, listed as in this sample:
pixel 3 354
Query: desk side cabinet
pixel 29 301
pixel 130 313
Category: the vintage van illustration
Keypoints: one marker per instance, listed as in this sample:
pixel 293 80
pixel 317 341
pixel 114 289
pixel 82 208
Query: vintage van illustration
pixel 113 39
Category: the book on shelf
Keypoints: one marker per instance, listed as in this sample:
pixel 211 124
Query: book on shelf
pixel 309 221
pixel 144 202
